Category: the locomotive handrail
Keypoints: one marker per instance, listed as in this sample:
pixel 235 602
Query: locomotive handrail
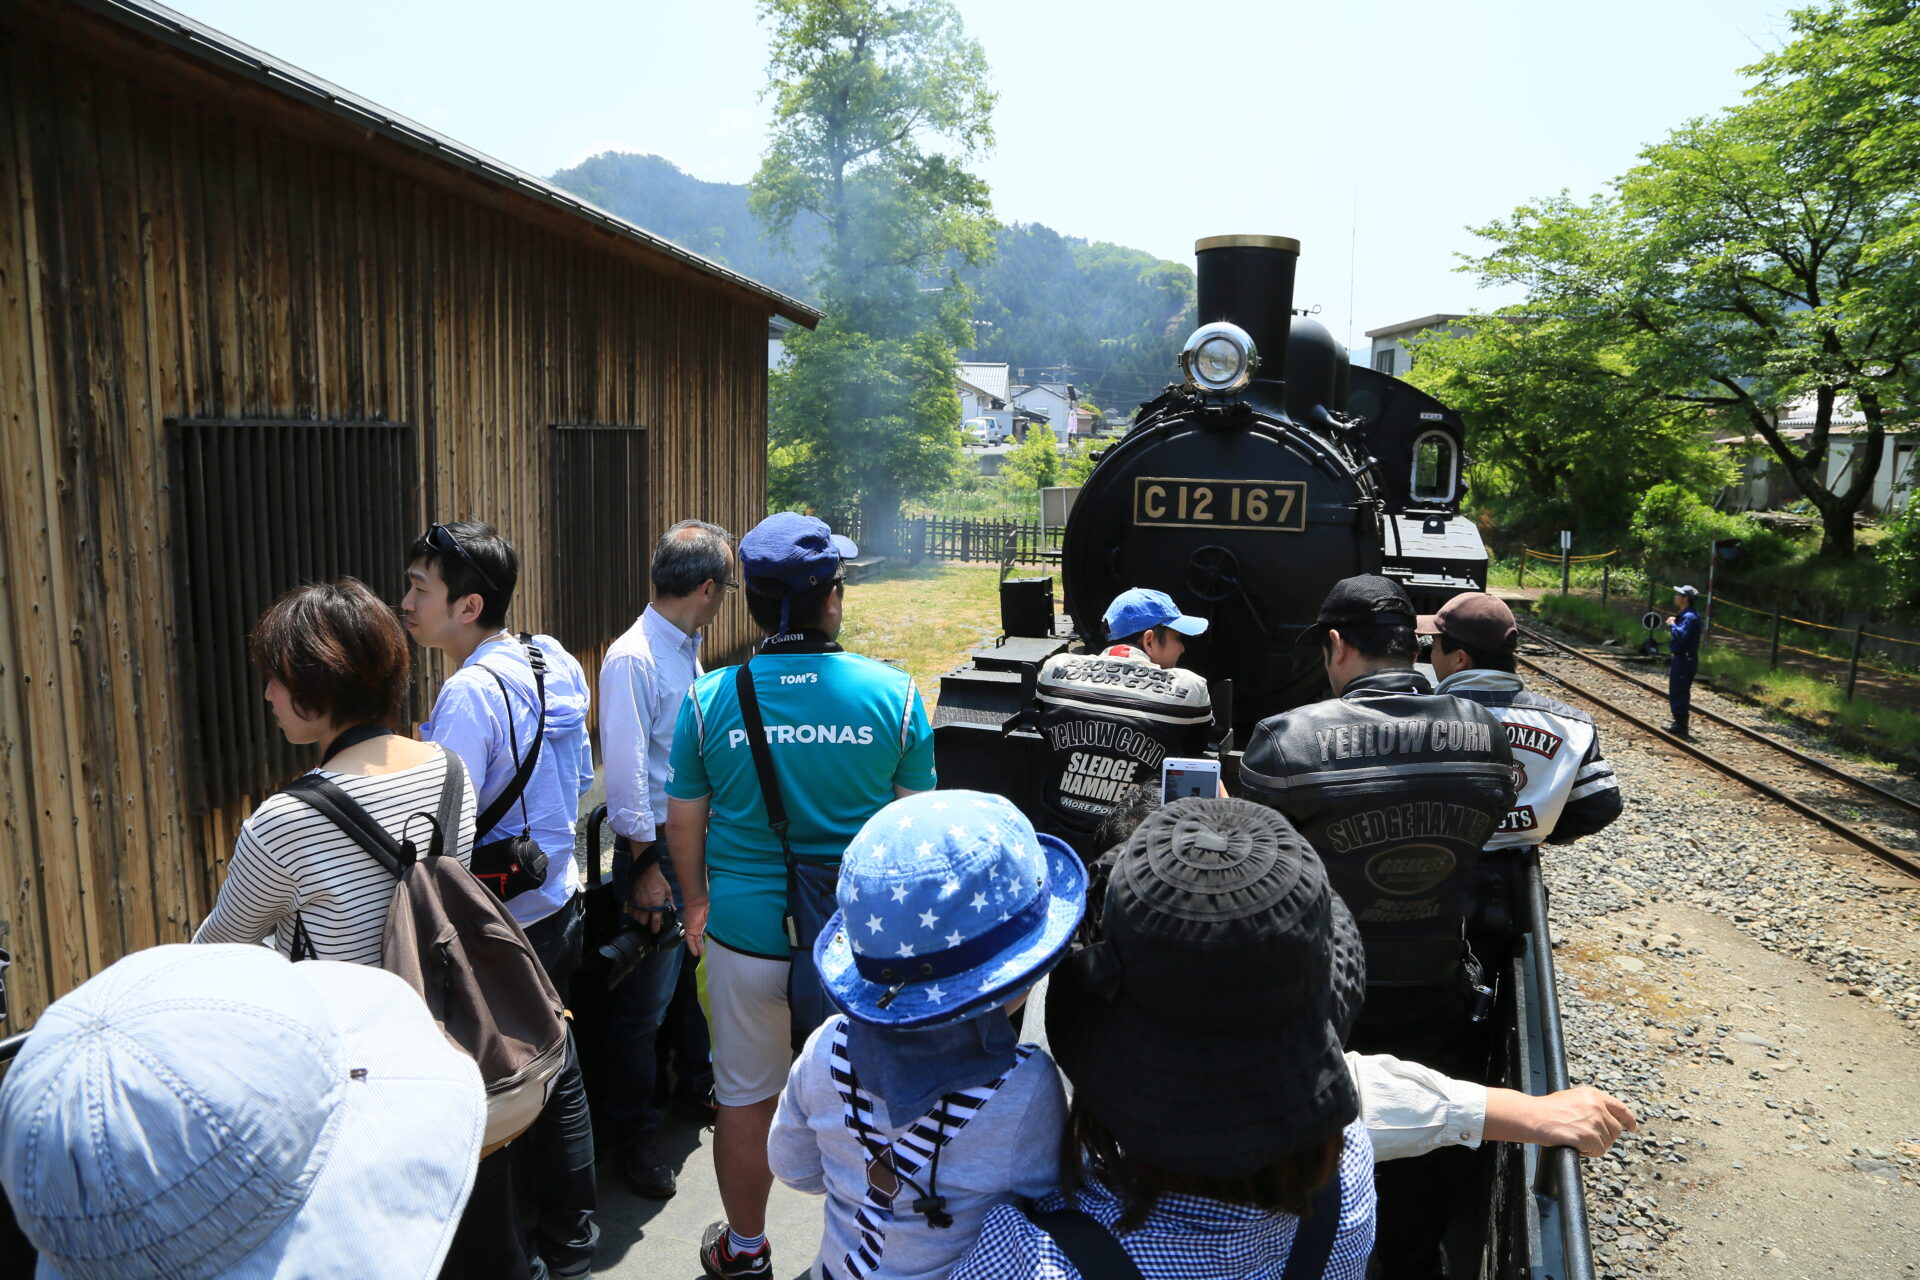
pixel 1557 1173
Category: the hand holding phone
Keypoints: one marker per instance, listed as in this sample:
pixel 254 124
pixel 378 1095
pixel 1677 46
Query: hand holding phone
pixel 1186 777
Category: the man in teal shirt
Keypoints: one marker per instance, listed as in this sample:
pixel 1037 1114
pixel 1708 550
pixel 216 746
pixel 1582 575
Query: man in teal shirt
pixel 847 735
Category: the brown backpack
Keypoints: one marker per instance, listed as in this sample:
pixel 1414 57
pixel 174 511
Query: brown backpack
pixel 455 943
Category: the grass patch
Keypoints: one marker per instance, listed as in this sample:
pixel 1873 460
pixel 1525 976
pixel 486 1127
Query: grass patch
pixel 923 618
pixel 1809 698
pixel 1587 616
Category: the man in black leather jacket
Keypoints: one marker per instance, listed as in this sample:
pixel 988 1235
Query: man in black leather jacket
pixel 1398 789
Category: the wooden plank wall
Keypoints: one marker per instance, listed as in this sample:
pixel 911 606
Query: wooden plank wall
pixel 171 246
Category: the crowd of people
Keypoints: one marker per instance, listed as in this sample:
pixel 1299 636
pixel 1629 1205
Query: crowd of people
pixel 1265 1017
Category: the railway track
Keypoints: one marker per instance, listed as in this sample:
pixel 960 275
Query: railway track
pixel 1810 808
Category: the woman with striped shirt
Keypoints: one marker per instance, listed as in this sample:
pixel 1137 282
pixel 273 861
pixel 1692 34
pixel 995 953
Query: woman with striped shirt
pixel 337 669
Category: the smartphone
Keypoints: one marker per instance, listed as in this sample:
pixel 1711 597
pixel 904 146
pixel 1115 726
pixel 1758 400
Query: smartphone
pixel 1180 778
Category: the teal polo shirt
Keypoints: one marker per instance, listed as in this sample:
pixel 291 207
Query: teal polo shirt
pixel 843 731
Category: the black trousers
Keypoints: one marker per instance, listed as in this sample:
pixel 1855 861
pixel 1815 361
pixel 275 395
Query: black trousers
pixel 1420 1198
pixel 557 1153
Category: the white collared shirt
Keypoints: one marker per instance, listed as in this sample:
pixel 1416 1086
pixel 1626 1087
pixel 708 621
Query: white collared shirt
pixel 1409 1110
pixel 643 681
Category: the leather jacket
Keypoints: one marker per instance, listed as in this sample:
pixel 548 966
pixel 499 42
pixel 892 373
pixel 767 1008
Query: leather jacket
pixel 1398 789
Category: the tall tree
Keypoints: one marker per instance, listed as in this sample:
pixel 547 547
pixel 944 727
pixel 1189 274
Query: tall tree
pixel 1568 433
pixel 877 109
pixel 1763 256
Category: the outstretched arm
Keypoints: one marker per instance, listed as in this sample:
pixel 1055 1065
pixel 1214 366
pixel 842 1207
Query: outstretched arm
pixel 1583 1118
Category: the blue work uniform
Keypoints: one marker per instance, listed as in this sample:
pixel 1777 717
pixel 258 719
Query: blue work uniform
pixel 1685 663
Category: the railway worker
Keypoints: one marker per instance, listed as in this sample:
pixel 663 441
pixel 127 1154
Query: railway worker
pixel 1150 623
pixel 521 731
pixel 643 681
pixel 1398 789
pixel 1567 788
pixel 1683 626
pixel 844 736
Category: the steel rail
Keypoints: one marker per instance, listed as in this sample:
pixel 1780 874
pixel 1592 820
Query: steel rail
pixel 1892 857
pixel 1818 765
pixel 1559 1166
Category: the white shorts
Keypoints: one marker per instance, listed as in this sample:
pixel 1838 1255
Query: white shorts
pixel 752 1040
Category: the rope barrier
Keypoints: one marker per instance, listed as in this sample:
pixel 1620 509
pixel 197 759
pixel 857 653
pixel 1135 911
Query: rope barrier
pixel 1824 657
pixel 1802 622
pixel 1555 555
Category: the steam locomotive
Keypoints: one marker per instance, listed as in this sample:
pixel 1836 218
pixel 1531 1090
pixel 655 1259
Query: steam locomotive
pixel 1272 471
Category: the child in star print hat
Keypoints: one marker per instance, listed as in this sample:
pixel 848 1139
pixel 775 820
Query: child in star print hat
pixel 917 1112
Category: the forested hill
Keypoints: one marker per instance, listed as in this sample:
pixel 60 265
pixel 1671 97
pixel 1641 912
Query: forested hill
pixel 1106 318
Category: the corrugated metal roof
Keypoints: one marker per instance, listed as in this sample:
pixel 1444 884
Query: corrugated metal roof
pixel 988 377
pixel 223 50
pixel 1804 411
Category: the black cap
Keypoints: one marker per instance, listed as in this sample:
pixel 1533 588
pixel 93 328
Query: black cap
pixel 1366 600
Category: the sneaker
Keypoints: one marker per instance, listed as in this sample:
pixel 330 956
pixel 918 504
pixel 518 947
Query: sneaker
pixel 722 1263
pixel 647 1171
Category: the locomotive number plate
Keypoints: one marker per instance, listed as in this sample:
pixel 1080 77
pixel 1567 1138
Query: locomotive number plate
pixel 1276 505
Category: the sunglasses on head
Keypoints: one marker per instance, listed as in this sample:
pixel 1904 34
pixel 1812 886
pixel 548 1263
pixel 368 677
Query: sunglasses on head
pixel 441 538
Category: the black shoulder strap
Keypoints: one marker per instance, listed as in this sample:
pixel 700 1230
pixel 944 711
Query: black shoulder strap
pixel 1313 1241
pixel 1089 1246
pixel 345 812
pixel 762 756
pixel 522 770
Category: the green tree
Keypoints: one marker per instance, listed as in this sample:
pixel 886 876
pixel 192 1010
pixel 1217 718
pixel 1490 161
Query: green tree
pixel 877 107
pixel 1567 433
pixel 1033 464
pixel 1764 255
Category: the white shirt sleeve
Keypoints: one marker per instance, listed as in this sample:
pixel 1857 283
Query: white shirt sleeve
pixel 1409 1110
pixel 626 716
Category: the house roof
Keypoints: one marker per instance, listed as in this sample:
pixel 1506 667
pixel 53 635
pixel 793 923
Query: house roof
pixel 987 377
pixel 980 391
pixel 1805 411
pixel 1415 326
pixel 210 45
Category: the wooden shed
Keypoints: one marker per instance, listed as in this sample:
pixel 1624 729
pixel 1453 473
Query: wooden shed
pixel 255 330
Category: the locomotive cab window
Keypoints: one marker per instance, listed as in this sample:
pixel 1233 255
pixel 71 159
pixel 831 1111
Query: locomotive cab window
pixel 1436 467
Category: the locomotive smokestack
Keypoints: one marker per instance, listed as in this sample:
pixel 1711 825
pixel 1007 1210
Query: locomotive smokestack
pixel 1248 281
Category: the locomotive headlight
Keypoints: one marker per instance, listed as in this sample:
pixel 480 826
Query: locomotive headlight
pixel 1219 358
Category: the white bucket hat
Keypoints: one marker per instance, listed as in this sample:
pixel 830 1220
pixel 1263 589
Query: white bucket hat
pixel 216 1111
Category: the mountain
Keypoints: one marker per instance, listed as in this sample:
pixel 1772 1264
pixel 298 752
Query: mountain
pixel 1106 318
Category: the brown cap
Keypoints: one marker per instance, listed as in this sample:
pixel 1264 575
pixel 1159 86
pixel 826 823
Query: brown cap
pixel 1474 619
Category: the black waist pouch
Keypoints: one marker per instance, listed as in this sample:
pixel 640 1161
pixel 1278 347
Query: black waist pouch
pixel 511 866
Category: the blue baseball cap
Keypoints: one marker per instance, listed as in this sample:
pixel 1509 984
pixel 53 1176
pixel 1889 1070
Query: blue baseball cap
pixel 950 905
pixel 1134 611
pixel 788 553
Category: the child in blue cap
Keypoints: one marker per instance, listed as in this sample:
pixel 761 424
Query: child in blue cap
pixel 917 1112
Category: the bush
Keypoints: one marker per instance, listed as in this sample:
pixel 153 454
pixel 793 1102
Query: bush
pixel 1899 551
pixel 1672 526
pixel 1034 463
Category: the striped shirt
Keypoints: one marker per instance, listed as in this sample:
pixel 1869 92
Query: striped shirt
pixel 290 858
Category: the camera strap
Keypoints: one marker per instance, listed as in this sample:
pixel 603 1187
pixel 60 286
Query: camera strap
pixel 522 770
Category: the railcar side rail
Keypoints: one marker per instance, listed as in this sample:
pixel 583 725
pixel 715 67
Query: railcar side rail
pixel 1558 1244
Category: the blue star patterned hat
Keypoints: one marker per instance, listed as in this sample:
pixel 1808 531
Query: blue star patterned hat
pixel 949 904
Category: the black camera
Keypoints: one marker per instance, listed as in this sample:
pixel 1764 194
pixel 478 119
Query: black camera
pixel 636 942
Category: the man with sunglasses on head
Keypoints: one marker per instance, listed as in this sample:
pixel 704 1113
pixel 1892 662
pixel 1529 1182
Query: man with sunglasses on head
pixel 515 701
pixel 643 681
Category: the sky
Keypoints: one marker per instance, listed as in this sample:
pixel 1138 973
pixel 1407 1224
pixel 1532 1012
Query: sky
pixel 1376 134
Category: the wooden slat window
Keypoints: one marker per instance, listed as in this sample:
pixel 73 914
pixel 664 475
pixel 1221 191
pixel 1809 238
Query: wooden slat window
pixel 260 507
pixel 602 546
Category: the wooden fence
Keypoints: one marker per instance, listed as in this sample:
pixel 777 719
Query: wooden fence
pixel 958 538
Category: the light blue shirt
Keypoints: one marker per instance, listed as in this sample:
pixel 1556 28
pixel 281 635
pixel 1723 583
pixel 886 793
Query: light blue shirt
pixel 643 681
pixel 471 719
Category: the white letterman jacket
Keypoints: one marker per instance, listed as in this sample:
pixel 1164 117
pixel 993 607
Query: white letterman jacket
pixel 1567 789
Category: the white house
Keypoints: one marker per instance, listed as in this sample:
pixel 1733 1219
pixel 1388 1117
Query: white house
pixel 1394 345
pixel 1764 482
pixel 1059 402
pixel 984 393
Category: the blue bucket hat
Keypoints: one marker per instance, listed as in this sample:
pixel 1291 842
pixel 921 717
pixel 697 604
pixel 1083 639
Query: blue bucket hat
pixel 788 553
pixel 1135 610
pixel 949 905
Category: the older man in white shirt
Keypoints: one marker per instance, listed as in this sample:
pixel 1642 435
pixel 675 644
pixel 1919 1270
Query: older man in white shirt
pixel 643 681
